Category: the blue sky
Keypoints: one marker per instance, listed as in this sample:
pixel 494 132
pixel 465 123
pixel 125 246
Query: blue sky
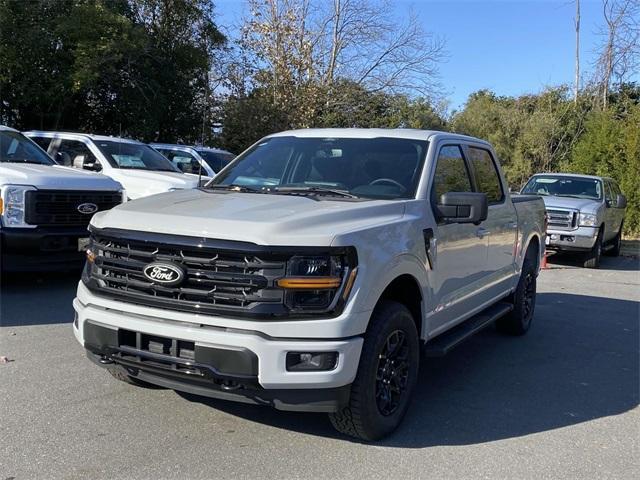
pixel 508 46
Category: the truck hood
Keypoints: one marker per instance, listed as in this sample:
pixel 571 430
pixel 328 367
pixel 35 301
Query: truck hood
pixel 54 177
pixel 264 219
pixel 581 204
pixel 141 183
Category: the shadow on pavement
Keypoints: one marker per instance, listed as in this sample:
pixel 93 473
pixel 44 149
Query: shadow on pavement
pixel 37 298
pixel 579 362
pixel 561 259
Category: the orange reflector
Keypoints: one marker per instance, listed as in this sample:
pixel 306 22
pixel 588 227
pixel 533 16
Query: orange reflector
pixel 90 256
pixel 1 206
pixel 349 285
pixel 309 283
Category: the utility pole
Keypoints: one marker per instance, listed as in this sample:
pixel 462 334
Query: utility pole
pixel 576 22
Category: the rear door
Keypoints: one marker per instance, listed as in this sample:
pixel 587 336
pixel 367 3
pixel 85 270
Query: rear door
pixel 460 254
pixel 500 227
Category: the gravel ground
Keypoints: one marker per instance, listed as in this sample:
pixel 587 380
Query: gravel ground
pixel 561 402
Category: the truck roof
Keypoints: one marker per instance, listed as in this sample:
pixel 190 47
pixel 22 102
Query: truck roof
pixel 98 138
pixel 409 133
pixel 195 147
pixel 577 175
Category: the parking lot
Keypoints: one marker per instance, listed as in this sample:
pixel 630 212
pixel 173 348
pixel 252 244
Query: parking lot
pixel 561 402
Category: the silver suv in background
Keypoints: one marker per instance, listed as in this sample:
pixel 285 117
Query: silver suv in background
pixel 190 159
pixel 585 212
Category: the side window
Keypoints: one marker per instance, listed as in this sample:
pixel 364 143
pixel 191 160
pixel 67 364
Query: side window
pixel 43 142
pixel 608 193
pixel 72 153
pixel 486 174
pixel 451 173
pixel 184 161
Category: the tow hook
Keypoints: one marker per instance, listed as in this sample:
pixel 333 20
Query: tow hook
pixel 104 360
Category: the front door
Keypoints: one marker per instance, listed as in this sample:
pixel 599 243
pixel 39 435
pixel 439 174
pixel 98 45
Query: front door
pixel 460 254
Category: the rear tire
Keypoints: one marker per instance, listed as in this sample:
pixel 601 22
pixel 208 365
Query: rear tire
pixel 386 377
pixel 518 321
pixel 592 259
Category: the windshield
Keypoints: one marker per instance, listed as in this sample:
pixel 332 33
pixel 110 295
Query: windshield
pixel 563 186
pixel 216 160
pixel 385 168
pixel 134 156
pixel 16 148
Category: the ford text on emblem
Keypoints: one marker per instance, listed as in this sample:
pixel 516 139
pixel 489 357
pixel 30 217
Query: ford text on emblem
pixel 87 208
pixel 164 273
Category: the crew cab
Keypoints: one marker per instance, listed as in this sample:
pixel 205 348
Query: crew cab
pixel 140 169
pixel 585 213
pixel 310 271
pixel 195 160
pixel 45 208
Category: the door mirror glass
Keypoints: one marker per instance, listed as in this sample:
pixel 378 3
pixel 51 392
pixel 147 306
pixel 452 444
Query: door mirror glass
pixel 462 207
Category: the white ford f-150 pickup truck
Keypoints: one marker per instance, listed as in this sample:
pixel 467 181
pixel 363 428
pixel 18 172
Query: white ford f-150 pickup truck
pixel 140 169
pixel 45 208
pixel 310 271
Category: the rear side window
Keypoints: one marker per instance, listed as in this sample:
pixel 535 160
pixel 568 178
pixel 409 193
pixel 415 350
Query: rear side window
pixel 486 174
pixel 451 173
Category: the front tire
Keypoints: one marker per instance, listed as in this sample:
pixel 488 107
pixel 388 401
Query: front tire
pixel 518 321
pixel 386 377
pixel 592 259
pixel 616 245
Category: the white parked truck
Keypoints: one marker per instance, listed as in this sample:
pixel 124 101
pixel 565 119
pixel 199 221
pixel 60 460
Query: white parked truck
pixel 309 272
pixel 196 160
pixel 140 169
pixel 45 208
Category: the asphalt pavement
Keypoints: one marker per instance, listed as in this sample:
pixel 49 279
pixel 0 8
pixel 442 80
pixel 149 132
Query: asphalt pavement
pixel 560 402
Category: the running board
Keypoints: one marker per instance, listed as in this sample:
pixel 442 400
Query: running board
pixel 442 344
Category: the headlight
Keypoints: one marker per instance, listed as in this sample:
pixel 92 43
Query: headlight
pixel 318 283
pixel 588 220
pixel 13 205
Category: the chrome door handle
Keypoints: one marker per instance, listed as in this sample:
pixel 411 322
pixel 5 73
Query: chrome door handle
pixel 481 233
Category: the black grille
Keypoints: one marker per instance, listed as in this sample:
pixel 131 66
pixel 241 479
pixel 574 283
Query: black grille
pixel 216 279
pixel 59 207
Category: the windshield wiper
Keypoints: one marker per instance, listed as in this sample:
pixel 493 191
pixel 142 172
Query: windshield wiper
pixel 314 191
pixel 567 195
pixel 234 188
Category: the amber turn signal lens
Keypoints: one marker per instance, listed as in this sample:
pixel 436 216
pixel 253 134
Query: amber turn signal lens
pixel 350 282
pixel 310 283
pixel 91 256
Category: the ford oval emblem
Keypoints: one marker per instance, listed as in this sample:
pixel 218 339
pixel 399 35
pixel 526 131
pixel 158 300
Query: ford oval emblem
pixel 87 208
pixel 164 273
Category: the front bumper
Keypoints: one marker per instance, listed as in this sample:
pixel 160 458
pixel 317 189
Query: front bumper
pixel 580 239
pixel 41 248
pixel 267 382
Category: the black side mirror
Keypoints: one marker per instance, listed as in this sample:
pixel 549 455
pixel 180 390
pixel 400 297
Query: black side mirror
pixel 463 207
pixel 621 201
